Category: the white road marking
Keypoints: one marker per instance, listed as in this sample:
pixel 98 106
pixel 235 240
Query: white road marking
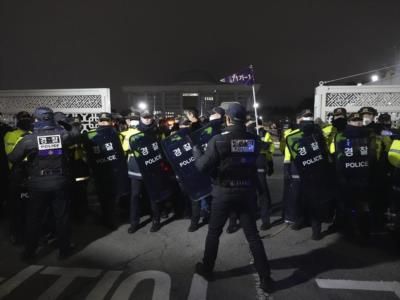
pixel 67 275
pixel 11 284
pixel 198 288
pixel 384 286
pixel 162 285
pixel 104 285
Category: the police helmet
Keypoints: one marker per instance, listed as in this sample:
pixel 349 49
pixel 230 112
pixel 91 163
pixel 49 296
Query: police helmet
pixel 368 110
pixel 340 111
pixel 23 115
pixel 105 116
pixel 237 112
pixel 384 118
pixel 355 117
pixel 44 114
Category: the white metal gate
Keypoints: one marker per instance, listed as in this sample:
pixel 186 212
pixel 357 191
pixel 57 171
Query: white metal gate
pixel 84 102
pixel 384 98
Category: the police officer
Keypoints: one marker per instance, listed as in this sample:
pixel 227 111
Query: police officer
pixel 230 159
pixel 148 126
pixel 192 208
pixel 48 178
pixel 289 183
pixel 393 213
pixel 107 159
pixel 354 157
pixel 80 173
pixel 307 149
pixel 17 188
pixel 265 166
pixel 380 170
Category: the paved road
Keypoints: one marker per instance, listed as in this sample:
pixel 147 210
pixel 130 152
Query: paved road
pixel 116 265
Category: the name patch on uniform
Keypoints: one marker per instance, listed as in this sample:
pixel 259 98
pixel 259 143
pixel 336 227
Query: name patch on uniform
pixel 49 144
pixel 242 146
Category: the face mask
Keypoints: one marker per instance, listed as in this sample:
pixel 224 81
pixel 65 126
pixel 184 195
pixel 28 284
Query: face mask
pixel 215 117
pixel 25 124
pixel 339 123
pixel 134 123
pixel 367 120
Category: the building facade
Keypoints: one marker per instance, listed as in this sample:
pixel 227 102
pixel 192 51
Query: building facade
pixel 172 100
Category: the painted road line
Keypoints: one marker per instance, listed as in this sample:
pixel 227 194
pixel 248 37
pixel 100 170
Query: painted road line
pixel 198 288
pixel 162 285
pixel 383 286
pixel 11 284
pixel 67 275
pixel 104 285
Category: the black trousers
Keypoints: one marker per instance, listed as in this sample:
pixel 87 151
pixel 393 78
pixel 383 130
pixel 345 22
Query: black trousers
pixel 353 212
pixel 58 201
pixel 16 207
pixel 137 190
pixel 79 202
pixel 264 198
pixel 107 197
pixel 244 205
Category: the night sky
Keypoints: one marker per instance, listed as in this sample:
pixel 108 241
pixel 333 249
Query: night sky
pixel 110 43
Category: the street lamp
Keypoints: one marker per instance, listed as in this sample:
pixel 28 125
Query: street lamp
pixel 374 78
pixel 142 105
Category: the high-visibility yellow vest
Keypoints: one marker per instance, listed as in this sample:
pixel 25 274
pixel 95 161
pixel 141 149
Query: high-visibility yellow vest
pixel 271 148
pixel 125 137
pixel 394 154
pixel 11 139
pixel 288 156
pixel 282 143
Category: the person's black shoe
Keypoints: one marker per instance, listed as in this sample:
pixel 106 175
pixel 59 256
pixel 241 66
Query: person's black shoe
pixel 267 284
pixel 164 214
pixel 133 228
pixel 193 227
pixel 204 272
pixel 156 226
pixel 265 226
pixel 232 228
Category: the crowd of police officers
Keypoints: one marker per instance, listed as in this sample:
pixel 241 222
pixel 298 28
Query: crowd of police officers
pixel 346 172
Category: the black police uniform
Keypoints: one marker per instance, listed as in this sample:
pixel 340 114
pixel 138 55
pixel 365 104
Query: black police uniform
pixel 48 178
pixel 230 159
pixel 138 188
pixel 355 157
pixel 308 152
pixel 107 161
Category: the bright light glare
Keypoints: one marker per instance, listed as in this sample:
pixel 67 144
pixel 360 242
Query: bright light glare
pixel 374 78
pixel 142 105
pixel 256 105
